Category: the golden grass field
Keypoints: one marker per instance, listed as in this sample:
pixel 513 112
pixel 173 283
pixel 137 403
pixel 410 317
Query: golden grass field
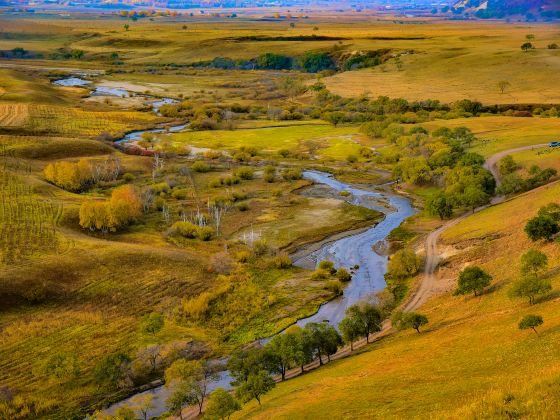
pixel 469 358
pixel 499 133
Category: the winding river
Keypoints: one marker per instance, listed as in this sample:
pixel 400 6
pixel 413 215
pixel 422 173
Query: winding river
pixel 349 251
pixel 346 252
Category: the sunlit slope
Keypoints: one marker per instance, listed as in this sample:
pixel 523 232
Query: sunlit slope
pixel 472 360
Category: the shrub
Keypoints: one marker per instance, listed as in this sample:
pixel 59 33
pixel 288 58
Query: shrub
pixel 282 261
pixel 205 233
pixel 292 174
pixel 343 275
pixel 180 194
pixel 320 275
pixel 185 229
pixel 243 256
pixel 200 166
pixel 128 177
pixel 244 172
pixel 260 248
pixel 327 266
pixel 243 207
pixel 335 287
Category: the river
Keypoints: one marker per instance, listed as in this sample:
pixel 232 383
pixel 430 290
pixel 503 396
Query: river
pixel 346 252
pixel 349 251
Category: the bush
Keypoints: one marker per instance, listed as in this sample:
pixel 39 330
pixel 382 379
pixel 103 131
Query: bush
pixel 185 229
pixel 243 207
pixel 205 233
pixel 200 166
pixel 282 261
pixel 335 287
pixel 292 174
pixel 320 275
pixel 180 194
pixel 327 266
pixel 244 172
pixel 343 275
pixel 260 248
pixel 243 256
pixel 128 177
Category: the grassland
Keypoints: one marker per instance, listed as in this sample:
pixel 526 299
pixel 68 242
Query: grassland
pixel 330 142
pixel 88 291
pixel 495 367
pixel 499 133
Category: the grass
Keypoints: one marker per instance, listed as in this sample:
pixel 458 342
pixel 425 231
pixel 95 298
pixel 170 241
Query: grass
pixel 332 142
pixel 453 63
pixel 499 133
pixel 310 220
pixel 544 158
pixel 471 361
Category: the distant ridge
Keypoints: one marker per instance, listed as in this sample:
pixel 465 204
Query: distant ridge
pixel 530 9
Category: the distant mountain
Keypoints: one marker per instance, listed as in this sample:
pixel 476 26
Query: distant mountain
pixel 531 9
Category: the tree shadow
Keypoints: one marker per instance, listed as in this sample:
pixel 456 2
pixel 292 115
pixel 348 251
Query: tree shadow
pixel 555 294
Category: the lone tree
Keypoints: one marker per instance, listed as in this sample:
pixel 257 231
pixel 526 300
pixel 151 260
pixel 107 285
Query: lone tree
pixel 533 262
pixel 527 46
pixel 221 405
pixel 530 287
pixel 472 280
pixel 503 85
pixel 541 227
pixel 532 322
pixel 406 320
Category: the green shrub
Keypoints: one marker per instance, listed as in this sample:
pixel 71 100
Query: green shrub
pixel 205 233
pixel 185 229
pixel 244 172
pixel 292 174
pixel 320 274
pixel 128 177
pixel 180 194
pixel 243 207
pixel 282 261
pixel 335 287
pixel 200 166
pixel 343 275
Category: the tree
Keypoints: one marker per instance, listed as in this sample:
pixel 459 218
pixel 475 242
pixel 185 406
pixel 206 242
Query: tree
pixel 351 329
pixel 152 323
pixel 244 362
pixel 190 378
pixel 532 322
pixel 126 26
pixel 322 338
pixel 143 403
pixel 530 287
pixel 503 85
pixel 533 262
pixel 304 350
pixel 472 279
pixel 113 370
pixel 474 197
pixel 552 210
pixel 527 46
pixel 406 320
pixel 541 227
pixel 179 398
pixel 439 205
pixel 279 353
pixel 221 405
pixel 403 263
pixel 256 385
pixel 507 165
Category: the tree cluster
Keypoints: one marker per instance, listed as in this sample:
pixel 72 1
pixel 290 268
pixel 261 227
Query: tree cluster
pixel 123 207
pixel 77 176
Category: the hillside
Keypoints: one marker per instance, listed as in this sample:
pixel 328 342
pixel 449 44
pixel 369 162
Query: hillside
pixel 471 361
pixel 504 8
